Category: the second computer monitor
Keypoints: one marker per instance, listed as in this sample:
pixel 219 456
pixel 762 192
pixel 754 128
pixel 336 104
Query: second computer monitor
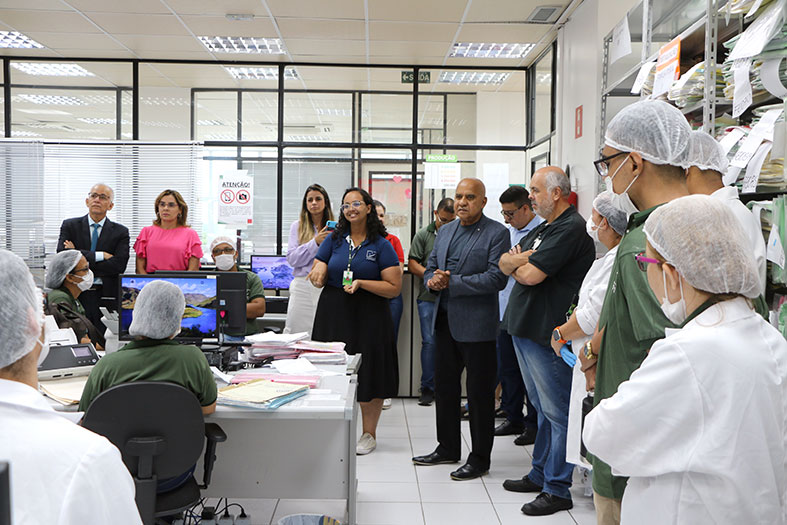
pixel 273 270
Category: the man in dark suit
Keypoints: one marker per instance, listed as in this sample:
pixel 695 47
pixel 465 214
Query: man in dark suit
pixel 103 243
pixel 462 270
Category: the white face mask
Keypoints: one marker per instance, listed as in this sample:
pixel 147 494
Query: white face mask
pixel 225 261
pixel 86 282
pixel 592 229
pixel 675 312
pixel 622 201
pixel 44 346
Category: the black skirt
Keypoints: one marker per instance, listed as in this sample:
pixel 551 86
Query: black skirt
pixel 363 322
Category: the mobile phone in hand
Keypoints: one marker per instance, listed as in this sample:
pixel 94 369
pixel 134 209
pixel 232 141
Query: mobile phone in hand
pixel 331 225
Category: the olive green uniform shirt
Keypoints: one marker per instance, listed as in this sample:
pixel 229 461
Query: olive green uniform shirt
pixel 254 290
pixel 632 320
pixel 63 295
pixel 420 249
pixel 153 360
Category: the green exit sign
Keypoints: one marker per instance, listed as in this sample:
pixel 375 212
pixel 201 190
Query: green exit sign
pixel 424 77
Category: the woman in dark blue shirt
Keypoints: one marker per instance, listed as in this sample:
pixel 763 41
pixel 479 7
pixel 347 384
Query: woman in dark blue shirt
pixel 359 271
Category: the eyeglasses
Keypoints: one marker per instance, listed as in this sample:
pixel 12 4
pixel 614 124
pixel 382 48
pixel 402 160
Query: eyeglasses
pixel 99 196
pixel 219 251
pixel 602 164
pixel 441 220
pixel 355 204
pixel 167 204
pixel 643 262
pixel 510 213
pixel 81 270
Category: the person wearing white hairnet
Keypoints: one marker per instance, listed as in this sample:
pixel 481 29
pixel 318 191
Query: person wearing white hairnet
pixel 643 158
pixel 606 225
pixel 706 165
pixel 225 256
pixel 700 427
pixel 60 472
pixel 67 277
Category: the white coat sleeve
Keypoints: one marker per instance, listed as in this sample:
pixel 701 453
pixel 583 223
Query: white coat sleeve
pixel 101 490
pixel 589 313
pixel 653 424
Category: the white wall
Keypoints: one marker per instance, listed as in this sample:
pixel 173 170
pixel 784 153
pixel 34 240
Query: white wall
pixel 579 62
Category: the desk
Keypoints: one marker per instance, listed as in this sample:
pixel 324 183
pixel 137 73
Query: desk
pixel 302 450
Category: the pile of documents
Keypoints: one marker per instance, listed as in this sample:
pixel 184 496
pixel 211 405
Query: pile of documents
pixel 269 346
pixel 690 87
pixel 261 394
pixel 250 375
pixel 66 391
pixel 737 7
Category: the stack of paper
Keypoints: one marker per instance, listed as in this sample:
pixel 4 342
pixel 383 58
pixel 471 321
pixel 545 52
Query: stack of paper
pixel 67 391
pixel 244 377
pixel 261 394
pixel 737 7
pixel 690 88
pixel 274 339
pixel 315 351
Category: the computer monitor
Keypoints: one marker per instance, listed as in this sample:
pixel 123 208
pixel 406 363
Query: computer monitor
pixel 273 270
pixel 201 293
pixel 5 493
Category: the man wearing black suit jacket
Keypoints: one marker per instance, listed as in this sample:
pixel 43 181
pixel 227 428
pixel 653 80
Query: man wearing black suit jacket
pixel 103 243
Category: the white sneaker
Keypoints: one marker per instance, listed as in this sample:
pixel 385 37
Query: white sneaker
pixel 366 444
pixel 387 403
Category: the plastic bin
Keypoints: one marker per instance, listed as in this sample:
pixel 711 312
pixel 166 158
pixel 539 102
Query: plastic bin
pixel 308 519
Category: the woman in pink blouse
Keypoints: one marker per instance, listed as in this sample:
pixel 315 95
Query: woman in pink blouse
pixel 169 244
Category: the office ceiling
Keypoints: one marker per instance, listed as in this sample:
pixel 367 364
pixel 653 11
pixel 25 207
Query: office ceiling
pixel 418 32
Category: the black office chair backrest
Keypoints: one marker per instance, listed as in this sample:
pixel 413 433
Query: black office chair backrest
pixel 148 409
pixel 5 493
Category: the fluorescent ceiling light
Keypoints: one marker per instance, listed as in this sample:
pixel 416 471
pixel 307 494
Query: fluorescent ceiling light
pixel 307 138
pixel 243 44
pixel 210 123
pixel 164 101
pixel 260 73
pixel 473 77
pixel 99 99
pixel 23 133
pixel 52 69
pixel 16 40
pixel 96 120
pixel 470 50
pixel 43 111
pixel 52 100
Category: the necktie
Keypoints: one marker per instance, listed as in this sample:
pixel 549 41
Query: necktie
pixel 94 237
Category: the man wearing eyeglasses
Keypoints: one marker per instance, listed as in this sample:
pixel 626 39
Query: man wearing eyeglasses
pixel 103 243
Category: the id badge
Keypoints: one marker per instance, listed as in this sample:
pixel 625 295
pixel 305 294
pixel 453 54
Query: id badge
pixel 347 278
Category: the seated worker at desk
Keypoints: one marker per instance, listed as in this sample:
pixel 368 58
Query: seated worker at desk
pixel 60 472
pixel 68 276
pixel 226 258
pixel 154 356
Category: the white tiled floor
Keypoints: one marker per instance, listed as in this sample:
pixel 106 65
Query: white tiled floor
pixel 393 491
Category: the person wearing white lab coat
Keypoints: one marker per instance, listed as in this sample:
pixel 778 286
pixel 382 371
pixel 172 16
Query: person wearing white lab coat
pixel 699 428
pixel 60 473
pixel 606 225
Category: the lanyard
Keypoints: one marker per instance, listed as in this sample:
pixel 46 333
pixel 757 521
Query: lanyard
pixel 352 253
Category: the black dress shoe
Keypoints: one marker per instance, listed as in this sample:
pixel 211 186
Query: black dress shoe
pixel 521 485
pixel 435 458
pixel 546 504
pixel 527 437
pixel 427 397
pixel 468 471
pixel 507 428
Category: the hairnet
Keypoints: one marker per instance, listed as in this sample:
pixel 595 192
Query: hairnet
pixel 701 237
pixel 616 218
pixel 654 129
pixel 222 240
pixel 21 309
pixel 705 153
pixel 60 266
pixel 158 311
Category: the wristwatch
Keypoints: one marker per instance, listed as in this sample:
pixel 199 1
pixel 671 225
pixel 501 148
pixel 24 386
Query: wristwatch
pixel 589 352
pixel 557 337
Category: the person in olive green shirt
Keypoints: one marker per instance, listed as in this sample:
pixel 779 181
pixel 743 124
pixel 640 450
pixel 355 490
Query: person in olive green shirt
pixel 644 153
pixel 420 248
pixel 226 258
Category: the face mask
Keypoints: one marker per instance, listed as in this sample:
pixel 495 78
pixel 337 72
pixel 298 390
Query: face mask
pixel 86 282
pixel 44 346
pixel 622 201
pixel 592 229
pixel 225 261
pixel 675 312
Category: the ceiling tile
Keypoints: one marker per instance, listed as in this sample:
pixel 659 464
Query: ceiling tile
pixel 509 33
pixel 92 53
pixel 408 49
pixel 319 29
pixel 298 46
pixel 507 10
pixel 133 24
pixel 220 26
pixel 175 55
pixel 69 41
pixel 120 6
pixel 38 5
pixel 429 32
pixel 417 10
pixel 346 9
pixel 24 21
pixel 161 43
pixel 212 7
pixel 31 52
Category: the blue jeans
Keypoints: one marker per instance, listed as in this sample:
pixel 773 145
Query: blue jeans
pixel 548 383
pixel 513 395
pixel 425 314
pixel 397 306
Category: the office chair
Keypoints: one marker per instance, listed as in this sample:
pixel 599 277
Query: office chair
pixel 160 432
pixel 5 493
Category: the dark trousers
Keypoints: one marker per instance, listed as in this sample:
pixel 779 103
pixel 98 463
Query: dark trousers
pixel 514 394
pixel 450 360
pixel 90 300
